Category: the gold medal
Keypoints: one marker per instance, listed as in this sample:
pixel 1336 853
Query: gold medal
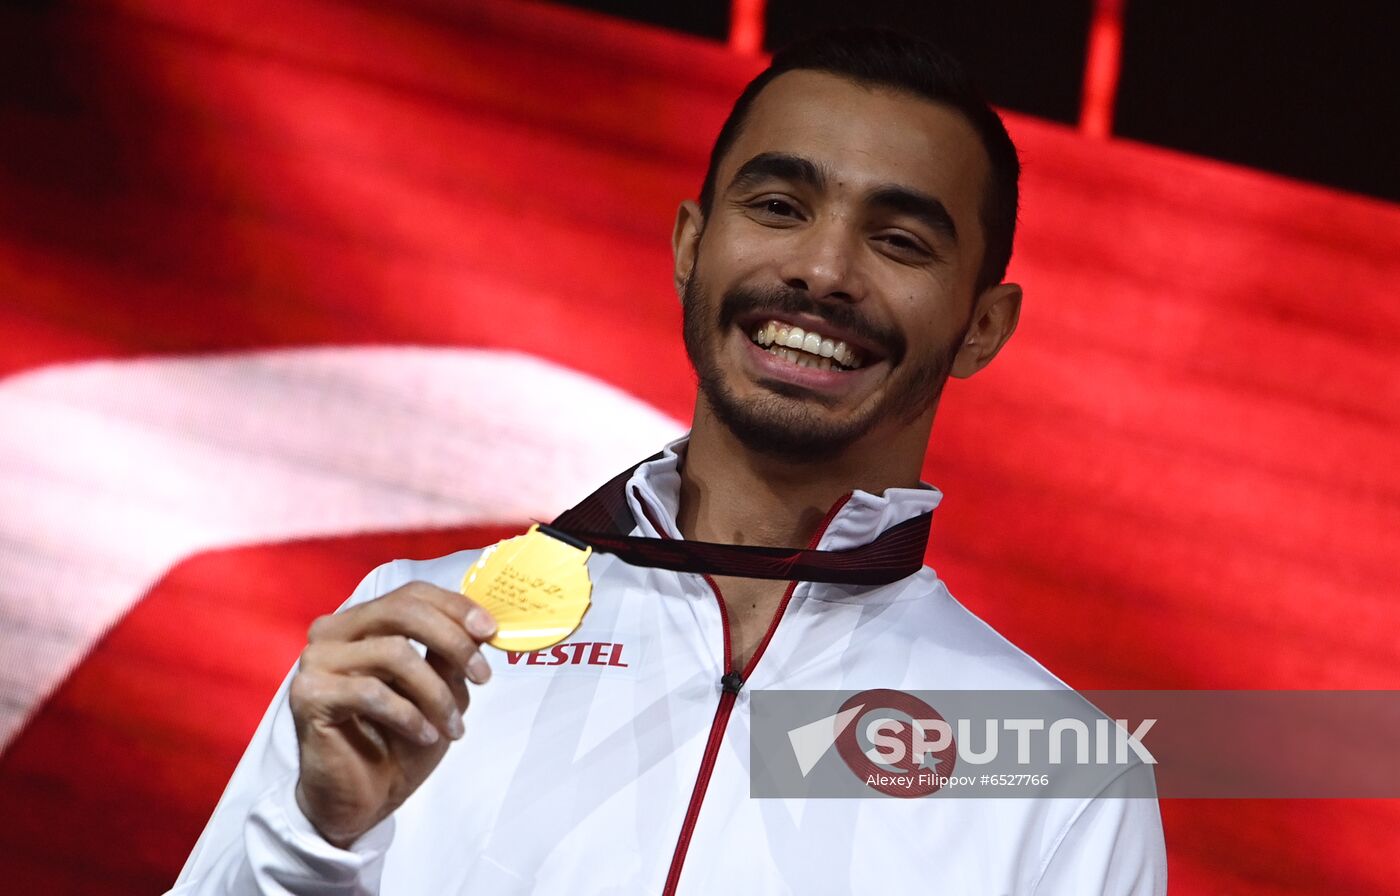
pixel 535 586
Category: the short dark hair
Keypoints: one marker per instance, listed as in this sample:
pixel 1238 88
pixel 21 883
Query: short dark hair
pixel 879 57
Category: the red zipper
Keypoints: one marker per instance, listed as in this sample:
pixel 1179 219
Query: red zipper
pixel 727 699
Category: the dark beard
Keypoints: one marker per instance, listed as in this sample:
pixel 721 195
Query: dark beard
pixel 776 426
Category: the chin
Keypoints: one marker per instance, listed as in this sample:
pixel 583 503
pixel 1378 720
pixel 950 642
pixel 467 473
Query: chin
pixel 781 427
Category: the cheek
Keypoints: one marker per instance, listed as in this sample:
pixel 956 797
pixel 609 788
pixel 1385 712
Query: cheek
pixel 963 278
pixel 931 315
pixel 735 249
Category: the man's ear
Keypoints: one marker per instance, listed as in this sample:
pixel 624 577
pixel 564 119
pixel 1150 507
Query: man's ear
pixel 685 241
pixel 993 321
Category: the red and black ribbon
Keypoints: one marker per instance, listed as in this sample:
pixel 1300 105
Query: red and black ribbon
pixel 603 519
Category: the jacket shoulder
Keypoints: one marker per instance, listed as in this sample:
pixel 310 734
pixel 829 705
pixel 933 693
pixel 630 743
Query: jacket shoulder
pixel 958 641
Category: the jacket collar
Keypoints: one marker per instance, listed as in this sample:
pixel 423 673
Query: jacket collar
pixel 654 491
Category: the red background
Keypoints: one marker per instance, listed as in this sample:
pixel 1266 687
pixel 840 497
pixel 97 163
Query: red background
pixel 1180 474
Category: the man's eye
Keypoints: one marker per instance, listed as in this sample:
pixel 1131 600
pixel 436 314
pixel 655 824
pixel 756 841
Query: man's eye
pixel 903 243
pixel 779 207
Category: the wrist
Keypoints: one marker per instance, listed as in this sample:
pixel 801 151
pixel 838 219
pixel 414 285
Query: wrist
pixel 338 836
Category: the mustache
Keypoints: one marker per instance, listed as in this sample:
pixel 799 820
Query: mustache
pixel 744 300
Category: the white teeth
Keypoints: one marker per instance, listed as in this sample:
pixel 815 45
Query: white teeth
pixel 814 350
pixel 845 355
pixel 802 359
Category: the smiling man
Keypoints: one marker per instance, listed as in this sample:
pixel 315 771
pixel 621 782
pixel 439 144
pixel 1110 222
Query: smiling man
pixel 829 290
pixel 845 257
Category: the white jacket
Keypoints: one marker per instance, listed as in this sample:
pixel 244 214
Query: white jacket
pixel 585 767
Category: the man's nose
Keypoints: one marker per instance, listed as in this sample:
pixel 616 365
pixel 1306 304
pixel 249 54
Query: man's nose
pixel 823 261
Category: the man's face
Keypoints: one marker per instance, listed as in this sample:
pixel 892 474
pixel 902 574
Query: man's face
pixel 850 214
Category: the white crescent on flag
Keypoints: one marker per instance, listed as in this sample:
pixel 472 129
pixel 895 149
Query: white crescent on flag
pixel 123 468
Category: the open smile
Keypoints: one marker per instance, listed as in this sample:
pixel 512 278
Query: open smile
pixel 820 362
pixel 805 348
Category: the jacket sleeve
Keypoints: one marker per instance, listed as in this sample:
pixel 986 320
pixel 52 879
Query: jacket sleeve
pixel 1113 845
pixel 258 841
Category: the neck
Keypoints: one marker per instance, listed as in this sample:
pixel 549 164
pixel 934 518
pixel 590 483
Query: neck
pixel 735 495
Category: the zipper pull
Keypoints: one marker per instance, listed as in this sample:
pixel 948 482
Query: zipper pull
pixel 731 682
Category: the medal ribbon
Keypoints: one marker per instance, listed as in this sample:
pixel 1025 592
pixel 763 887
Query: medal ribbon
pixel 603 519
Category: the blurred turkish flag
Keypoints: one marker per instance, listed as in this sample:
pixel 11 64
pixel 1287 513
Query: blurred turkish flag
pixel 292 289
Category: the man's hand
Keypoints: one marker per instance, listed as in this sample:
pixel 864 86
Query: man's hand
pixel 373 718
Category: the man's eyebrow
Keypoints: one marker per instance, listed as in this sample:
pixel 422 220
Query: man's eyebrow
pixel 890 197
pixel 924 208
pixel 778 166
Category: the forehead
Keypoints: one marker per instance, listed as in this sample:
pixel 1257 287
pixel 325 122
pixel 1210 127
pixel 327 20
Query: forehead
pixel 866 136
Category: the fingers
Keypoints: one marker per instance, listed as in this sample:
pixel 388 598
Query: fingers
pixel 338 698
pixel 447 623
pixel 394 661
pixel 457 607
pixel 455 684
pixel 363 662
